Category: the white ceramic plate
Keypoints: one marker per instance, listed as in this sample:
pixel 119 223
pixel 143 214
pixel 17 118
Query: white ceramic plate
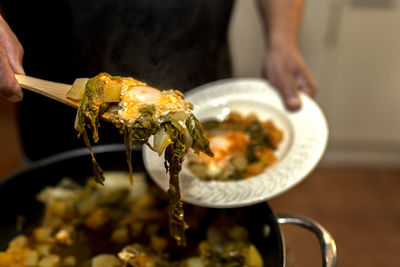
pixel 305 138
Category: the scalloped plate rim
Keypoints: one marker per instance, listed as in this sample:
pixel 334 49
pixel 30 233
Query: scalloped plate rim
pixel 208 193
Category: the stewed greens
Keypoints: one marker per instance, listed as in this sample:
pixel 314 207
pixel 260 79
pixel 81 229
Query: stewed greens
pixel 138 113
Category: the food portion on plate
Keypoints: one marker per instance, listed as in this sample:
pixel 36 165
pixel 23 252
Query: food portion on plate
pixel 305 135
pixel 243 147
pixel 139 112
pixel 119 225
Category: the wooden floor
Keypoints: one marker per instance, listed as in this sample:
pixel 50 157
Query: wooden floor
pixel 360 207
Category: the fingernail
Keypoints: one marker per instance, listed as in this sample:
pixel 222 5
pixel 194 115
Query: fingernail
pixel 15 98
pixel 293 102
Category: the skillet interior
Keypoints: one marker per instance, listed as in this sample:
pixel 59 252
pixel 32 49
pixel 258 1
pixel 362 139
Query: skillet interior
pixel 18 191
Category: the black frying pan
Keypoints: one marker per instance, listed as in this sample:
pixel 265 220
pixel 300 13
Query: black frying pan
pixel 18 191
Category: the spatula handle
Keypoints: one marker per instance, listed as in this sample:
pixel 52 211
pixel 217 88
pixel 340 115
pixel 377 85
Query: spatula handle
pixel 54 90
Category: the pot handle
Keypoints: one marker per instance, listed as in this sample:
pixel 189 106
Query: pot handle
pixel 328 245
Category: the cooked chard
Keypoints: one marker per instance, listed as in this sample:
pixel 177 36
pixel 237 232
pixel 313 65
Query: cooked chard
pixel 140 111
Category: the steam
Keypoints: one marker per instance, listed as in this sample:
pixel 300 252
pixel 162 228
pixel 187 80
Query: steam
pixel 169 44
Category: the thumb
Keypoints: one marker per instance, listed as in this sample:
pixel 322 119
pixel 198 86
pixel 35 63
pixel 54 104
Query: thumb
pixel 15 55
pixel 9 86
pixel 12 47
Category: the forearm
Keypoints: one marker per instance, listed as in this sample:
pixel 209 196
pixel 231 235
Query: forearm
pixel 281 19
pixel 284 67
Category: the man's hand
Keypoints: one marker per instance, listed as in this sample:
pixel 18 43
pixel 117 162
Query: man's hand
pixel 11 54
pixel 285 69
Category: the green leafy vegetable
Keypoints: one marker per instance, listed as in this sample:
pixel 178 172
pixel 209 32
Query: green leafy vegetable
pixel 174 127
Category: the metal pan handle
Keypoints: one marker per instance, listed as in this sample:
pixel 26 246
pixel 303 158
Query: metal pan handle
pixel 328 245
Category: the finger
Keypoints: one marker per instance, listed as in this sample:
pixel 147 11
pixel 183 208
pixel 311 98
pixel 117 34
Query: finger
pixel 289 93
pixel 13 48
pixel 285 86
pixel 303 85
pixel 9 86
pixel 15 56
pixel 306 82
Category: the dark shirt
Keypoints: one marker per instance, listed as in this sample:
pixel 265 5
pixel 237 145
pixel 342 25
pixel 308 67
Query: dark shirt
pixel 176 44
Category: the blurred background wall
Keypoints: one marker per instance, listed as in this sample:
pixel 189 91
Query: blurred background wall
pixel 353 49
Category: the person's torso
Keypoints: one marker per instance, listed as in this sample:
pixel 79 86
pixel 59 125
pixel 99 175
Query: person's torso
pixel 167 43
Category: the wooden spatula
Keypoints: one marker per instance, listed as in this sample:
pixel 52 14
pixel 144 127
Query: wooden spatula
pixel 53 90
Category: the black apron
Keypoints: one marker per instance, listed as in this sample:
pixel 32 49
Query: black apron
pixel 176 44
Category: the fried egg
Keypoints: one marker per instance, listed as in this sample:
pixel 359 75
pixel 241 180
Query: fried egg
pixel 134 98
pixel 225 146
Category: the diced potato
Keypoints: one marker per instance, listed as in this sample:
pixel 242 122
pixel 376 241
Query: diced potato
pixel 120 235
pixel 88 204
pixel 106 260
pixel 78 89
pixel 32 258
pixel 96 219
pixel 194 262
pixel 213 170
pixel 52 221
pixel 238 233
pixel 158 243
pixel 135 256
pixel 240 162
pixel 17 243
pixel 50 261
pixel 229 172
pixel 253 257
pixel 275 135
pixel 112 92
pixel 14 258
pixel 254 168
pixel 43 249
pixel 69 261
pixel 42 234
pixel 268 157
pixel 6 259
pixel 63 236
pixel 59 208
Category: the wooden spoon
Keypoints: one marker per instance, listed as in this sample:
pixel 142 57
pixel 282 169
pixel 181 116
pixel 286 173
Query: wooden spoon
pixel 53 90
